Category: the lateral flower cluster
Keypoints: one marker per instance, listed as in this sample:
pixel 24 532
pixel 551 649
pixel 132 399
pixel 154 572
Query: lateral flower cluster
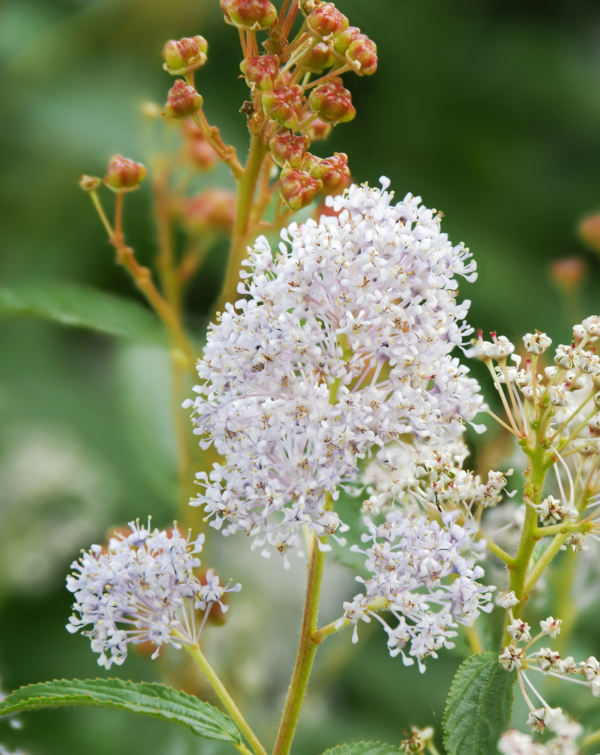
pixel 425 477
pixel 142 588
pixel 343 344
pixel 425 575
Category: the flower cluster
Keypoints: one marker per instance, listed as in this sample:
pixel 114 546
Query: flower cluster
pixel 142 588
pixel 519 656
pixel 425 575
pixel 559 407
pixel 344 343
pixel 428 476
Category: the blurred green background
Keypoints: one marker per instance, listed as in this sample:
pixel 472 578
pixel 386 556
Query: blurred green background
pixel 489 110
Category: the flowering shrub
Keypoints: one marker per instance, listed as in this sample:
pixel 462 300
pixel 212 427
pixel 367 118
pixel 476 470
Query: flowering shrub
pixel 334 394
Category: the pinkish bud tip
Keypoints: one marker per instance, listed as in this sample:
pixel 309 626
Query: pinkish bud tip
pixel 184 55
pixel 252 15
pixel 123 174
pixel 182 100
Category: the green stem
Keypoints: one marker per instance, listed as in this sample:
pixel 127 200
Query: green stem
pixel 499 552
pixel 591 739
pixel 307 648
pixel 324 632
pixel 245 196
pixel 226 699
pixel 545 560
pixel 518 569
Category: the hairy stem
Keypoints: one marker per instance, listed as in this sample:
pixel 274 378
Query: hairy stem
pixel 307 648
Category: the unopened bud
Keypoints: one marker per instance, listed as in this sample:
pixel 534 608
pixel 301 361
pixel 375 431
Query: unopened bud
pixel 343 41
pixel 249 14
pixel 200 152
pixel 332 102
pixel 288 148
pixel 182 100
pixel 568 273
pixel 213 209
pixel 123 174
pixel 317 130
pixel 89 183
pixel 184 55
pixel 589 231
pixel 298 188
pixel 261 72
pixel 333 172
pixel 283 105
pixel 319 58
pixel 307 6
pixel 362 55
pixel 326 19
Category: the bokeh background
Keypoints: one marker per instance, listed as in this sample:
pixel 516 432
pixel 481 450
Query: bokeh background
pixel 489 110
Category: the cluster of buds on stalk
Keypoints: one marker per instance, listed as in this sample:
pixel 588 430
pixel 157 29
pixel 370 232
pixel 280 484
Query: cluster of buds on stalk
pixel 296 91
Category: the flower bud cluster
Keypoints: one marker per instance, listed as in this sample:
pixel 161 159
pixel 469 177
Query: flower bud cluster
pixel 291 109
pixel 140 588
pixel 429 476
pixel 342 344
pixel 425 575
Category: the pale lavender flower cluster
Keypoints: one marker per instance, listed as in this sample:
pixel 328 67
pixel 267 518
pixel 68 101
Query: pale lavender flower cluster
pixel 343 344
pixel 425 575
pixel 142 588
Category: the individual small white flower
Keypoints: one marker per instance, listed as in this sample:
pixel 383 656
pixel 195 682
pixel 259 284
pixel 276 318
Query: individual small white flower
pixel 590 668
pixel 553 511
pixel 141 588
pixel 566 666
pixel 519 630
pixel 551 626
pixel 547 658
pixel 425 574
pixel 506 599
pixel 514 742
pixel 538 718
pixel 536 343
pixel 341 345
pixel 511 657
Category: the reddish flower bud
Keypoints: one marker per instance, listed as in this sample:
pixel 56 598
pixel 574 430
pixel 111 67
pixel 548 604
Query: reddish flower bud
pixel 123 174
pixel 343 41
pixel 362 55
pixel 249 14
pixel 333 172
pixel 317 130
pixel 298 188
pixel 283 105
pixel 568 273
pixel 319 58
pixel 332 102
pixel 287 148
pixel 184 55
pixel 326 19
pixel 261 72
pixel 182 100
pixel 213 209
pixel 589 231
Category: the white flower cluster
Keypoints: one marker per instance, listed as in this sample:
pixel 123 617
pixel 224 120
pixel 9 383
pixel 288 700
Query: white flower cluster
pixel 425 575
pixel 142 588
pixel 429 476
pixel 343 343
pixel 565 729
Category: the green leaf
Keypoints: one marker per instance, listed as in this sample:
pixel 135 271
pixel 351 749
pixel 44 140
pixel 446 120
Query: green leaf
pixel 157 700
pixel 83 307
pixel 479 705
pixel 363 748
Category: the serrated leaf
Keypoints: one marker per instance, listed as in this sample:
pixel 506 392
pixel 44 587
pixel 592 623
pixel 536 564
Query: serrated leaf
pixel 79 306
pixel 363 748
pixel 157 700
pixel 478 706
